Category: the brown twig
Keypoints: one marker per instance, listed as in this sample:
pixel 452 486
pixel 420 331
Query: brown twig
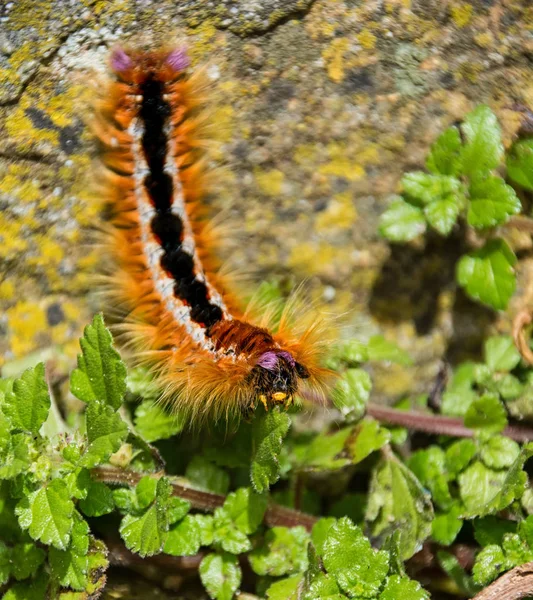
pixel 520 323
pixel 275 515
pixel 515 584
pixel 520 223
pixel 438 424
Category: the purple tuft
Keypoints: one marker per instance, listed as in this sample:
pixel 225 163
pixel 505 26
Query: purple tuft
pixel 268 361
pixel 120 61
pixel 178 59
pixel 288 357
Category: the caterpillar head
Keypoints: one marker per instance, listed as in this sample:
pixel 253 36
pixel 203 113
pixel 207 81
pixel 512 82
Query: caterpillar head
pixel 124 60
pixel 275 377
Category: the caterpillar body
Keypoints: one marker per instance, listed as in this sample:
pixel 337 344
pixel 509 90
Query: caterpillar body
pixel 179 313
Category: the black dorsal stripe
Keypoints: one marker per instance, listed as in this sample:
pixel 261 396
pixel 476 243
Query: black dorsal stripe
pixel 167 226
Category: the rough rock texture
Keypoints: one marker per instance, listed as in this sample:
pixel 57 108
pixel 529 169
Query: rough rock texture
pixel 319 106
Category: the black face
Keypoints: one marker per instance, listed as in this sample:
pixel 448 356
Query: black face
pixel 275 378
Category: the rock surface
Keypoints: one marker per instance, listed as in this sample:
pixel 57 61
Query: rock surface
pixel 319 108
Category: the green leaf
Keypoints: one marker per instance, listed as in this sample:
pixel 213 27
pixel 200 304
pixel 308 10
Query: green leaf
pixel 70 566
pixel 221 575
pixel 478 487
pixel 429 466
pixel 146 534
pixel 101 374
pixel 402 222
pixel 322 587
pixel 398 501
pixel 5 562
pixel 379 348
pixel 285 589
pixel 204 475
pixel 490 530
pixel 501 353
pixel 483 150
pixel 486 414
pixel 442 214
pixel 358 569
pixel 403 588
pixel 319 533
pixel 205 522
pixel 246 509
pixel 153 422
pixel 445 527
pixel 15 455
pixel 445 155
pixel 351 393
pixel 26 558
pixel 268 431
pixel 47 514
pixel 184 538
pixel 451 566
pixel 284 551
pixel 33 589
pixel 459 454
pixel 490 562
pixel 499 452
pixel 427 188
pixel 488 275
pixel 520 163
pixel 105 433
pixel 492 202
pixel 28 404
pixel 178 508
pixel 99 500
pixel 226 534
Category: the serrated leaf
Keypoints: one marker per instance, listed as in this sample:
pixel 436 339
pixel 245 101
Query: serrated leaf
pixel 403 588
pixel 221 575
pixel 445 154
pixel 26 558
pixel 459 454
pixel 70 566
pixel 284 551
pixel 184 538
pixel 398 501
pixel 491 529
pixel 499 452
pixel 483 150
pixel 15 455
pixel 351 393
pixel 153 422
pixel 47 514
pixel 320 531
pixel 501 353
pixel 177 509
pixel 478 485
pixel 101 374
pixel 451 566
pixel 146 533
pixel 99 500
pixel 490 562
pixel 33 589
pixel 268 431
pixel 426 187
pixel 442 214
pixel 486 414
pixel 492 202
pixel 429 466
pixel 105 433
pixel 487 274
pixel 358 569
pixel 520 163
pixel 204 475
pixel 402 222
pixel 28 404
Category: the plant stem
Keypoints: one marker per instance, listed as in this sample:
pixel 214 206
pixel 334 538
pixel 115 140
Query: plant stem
pixel 438 424
pixel 275 515
pixel 515 584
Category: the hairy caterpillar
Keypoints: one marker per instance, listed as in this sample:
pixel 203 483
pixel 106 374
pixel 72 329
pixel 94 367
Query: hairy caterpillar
pixel 179 313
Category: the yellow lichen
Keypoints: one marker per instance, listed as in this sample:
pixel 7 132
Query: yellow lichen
pixel 269 182
pixel 339 214
pixel 341 165
pixel 366 39
pixel 333 55
pixel 25 321
pixel 7 290
pixel 462 14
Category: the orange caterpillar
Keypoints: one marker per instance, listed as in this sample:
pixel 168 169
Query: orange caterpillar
pixel 178 314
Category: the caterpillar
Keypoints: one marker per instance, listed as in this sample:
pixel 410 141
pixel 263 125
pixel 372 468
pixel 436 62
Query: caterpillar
pixel 179 314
